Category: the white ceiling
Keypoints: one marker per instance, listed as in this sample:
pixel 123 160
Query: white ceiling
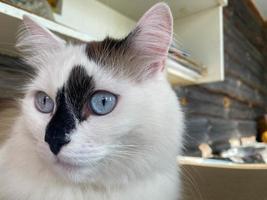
pixel 261 5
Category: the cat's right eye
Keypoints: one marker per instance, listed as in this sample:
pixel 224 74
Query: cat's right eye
pixel 43 102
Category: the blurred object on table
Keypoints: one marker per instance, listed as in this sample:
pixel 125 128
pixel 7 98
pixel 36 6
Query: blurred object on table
pixel 56 5
pixel 262 129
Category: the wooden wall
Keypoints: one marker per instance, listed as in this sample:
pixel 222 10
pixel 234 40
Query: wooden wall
pixel 218 111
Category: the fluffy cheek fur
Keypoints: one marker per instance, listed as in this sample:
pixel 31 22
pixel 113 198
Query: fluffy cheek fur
pixel 120 146
pixel 35 132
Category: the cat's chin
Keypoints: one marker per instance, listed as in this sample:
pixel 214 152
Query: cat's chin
pixel 73 172
pixel 68 166
pixel 67 169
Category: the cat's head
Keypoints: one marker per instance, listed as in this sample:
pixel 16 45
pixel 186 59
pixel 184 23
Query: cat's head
pixel 102 110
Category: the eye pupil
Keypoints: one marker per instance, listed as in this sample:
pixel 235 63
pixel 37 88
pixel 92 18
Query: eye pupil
pixel 44 100
pixel 103 101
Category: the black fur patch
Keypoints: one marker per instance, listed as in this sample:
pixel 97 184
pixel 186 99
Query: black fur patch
pixel 70 102
pixel 109 50
pixel 79 87
pixel 61 124
pixel 101 52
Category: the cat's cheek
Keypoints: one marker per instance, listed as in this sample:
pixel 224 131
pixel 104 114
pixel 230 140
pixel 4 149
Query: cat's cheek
pixel 34 122
pixel 44 152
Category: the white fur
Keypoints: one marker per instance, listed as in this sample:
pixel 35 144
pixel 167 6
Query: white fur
pixel 129 154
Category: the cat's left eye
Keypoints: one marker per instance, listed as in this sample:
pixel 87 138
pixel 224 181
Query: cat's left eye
pixel 102 102
pixel 43 102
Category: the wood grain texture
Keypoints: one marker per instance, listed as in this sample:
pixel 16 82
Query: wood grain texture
pixel 219 111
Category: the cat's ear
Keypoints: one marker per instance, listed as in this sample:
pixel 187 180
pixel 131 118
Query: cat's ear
pixel 34 38
pixel 152 36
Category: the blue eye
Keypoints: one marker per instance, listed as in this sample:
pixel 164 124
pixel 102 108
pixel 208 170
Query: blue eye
pixel 103 102
pixel 43 103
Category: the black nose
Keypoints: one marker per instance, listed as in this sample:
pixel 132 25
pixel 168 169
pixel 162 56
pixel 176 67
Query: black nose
pixel 61 124
pixel 56 143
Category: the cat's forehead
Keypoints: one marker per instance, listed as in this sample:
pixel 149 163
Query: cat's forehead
pixel 73 64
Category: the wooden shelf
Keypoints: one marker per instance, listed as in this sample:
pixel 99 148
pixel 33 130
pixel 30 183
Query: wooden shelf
pixel 211 179
pixel 213 163
pixel 180 8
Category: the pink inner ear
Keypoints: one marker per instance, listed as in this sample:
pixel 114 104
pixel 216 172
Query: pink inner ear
pixel 155 33
pixel 157 66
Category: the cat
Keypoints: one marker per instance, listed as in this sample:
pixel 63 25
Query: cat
pixel 99 121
